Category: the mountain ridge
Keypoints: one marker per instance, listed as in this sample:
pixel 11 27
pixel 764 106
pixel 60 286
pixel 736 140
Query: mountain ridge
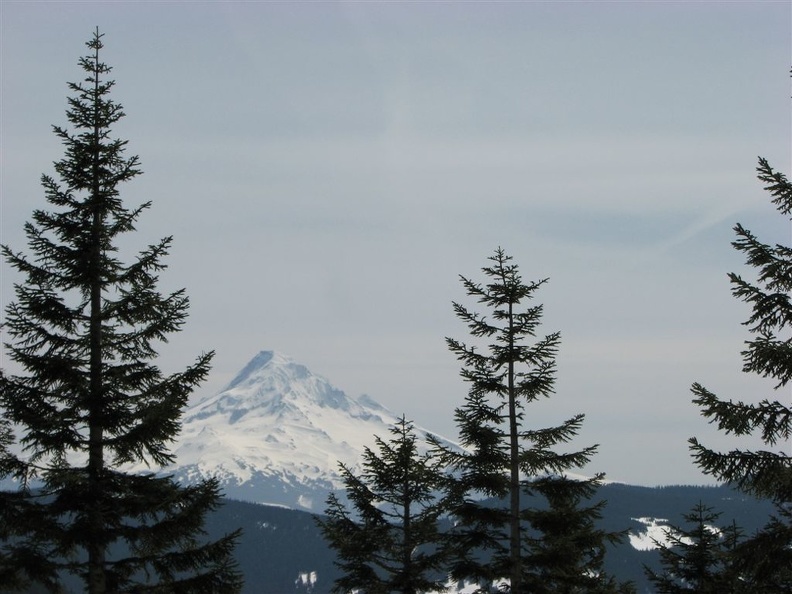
pixel 279 545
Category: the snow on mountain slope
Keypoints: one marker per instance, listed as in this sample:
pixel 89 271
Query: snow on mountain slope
pixel 276 433
pixel 656 531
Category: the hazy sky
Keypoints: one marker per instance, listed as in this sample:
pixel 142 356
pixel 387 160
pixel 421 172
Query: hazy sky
pixel 328 170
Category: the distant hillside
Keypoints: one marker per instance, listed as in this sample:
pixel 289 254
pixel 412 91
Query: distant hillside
pixel 283 551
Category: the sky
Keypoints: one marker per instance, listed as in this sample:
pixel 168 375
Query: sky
pixel 329 169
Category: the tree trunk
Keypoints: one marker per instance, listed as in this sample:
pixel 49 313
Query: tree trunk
pixel 96 547
pixel 96 552
pixel 514 484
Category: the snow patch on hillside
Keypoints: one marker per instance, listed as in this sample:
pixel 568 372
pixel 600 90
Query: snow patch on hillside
pixel 306 579
pixel 657 533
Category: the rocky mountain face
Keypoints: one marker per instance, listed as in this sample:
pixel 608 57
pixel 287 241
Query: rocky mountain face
pixel 276 434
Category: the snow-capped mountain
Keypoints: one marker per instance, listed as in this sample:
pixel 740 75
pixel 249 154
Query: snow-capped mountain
pixel 276 433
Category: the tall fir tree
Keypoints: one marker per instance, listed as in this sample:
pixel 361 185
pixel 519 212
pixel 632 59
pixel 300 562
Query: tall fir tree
pixel 84 328
pixel 390 541
pixel 764 473
pixel 503 458
pixel 699 557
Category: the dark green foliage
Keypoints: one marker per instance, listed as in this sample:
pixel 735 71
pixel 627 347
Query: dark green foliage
pixel 12 522
pixel 390 541
pixel 764 561
pixel 84 328
pixel 701 558
pixel 764 473
pixel 504 458
pixel 278 544
pixel 281 549
pixel 565 550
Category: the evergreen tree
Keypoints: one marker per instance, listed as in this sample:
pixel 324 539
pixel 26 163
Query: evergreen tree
pixel 391 540
pixel 503 458
pixel 565 549
pixel 764 473
pixel 84 327
pixel 699 559
pixel 10 513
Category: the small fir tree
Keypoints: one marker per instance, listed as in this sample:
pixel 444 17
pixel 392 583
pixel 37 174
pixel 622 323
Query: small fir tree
pixel 767 556
pixel 390 541
pixel 565 550
pixel 84 327
pixel 699 558
pixel 502 458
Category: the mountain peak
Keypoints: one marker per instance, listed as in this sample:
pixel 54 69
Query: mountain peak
pixel 273 384
pixel 261 361
pixel 277 432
